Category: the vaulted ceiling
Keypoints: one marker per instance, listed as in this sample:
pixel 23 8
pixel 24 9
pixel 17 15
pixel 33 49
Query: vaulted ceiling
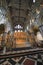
pixel 20 10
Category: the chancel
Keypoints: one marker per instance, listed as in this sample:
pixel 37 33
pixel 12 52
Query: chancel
pixel 21 32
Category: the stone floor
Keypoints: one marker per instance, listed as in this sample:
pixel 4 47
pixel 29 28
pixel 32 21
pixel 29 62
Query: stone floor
pixel 36 59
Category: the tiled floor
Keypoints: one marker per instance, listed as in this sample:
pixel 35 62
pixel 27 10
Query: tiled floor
pixel 26 60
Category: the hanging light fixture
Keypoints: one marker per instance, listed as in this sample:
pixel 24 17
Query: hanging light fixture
pixel 33 1
pixel 37 11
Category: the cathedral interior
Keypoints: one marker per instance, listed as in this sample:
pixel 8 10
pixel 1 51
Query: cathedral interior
pixel 21 32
